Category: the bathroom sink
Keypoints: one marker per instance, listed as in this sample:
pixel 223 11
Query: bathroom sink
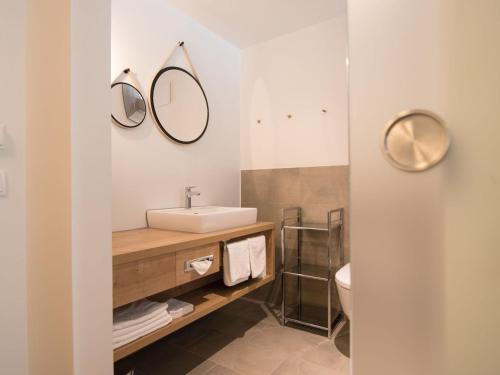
pixel 201 219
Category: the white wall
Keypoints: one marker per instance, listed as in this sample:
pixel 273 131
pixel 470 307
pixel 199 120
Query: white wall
pixel 424 246
pixel 300 74
pixel 13 345
pixel 149 170
pixel 91 187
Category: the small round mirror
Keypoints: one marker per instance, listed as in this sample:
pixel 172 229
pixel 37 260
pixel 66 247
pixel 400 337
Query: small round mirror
pixel 128 107
pixel 179 105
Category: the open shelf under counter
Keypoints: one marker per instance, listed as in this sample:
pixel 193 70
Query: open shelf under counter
pixel 205 300
pixel 149 263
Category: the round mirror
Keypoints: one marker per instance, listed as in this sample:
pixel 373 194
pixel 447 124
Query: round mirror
pixel 128 107
pixel 179 105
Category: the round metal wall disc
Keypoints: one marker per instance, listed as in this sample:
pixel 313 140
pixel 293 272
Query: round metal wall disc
pixel 415 141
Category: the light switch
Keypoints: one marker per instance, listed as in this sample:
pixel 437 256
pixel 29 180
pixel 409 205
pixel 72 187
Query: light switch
pixel 3 184
pixel 2 136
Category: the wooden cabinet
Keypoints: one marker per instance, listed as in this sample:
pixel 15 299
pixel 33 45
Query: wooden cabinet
pixel 152 263
pixel 145 277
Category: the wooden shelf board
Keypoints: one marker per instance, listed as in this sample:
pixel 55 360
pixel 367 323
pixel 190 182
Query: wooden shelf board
pixel 205 300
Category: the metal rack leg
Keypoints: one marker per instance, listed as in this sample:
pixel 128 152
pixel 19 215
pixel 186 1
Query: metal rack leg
pixel 341 240
pixel 282 276
pixel 329 249
pixel 299 265
pixel 341 322
pixel 330 308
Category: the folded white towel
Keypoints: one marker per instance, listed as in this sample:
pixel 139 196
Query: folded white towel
pixel 137 313
pixel 123 332
pixel 236 263
pixel 257 250
pixel 177 308
pixel 155 325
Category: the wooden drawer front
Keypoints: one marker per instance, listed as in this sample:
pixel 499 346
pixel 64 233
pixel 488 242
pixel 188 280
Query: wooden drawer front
pixel 181 257
pixel 135 280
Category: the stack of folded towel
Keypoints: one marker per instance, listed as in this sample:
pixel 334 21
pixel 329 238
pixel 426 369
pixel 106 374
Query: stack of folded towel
pixel 244 258
pixel 177 308
pixel 137 319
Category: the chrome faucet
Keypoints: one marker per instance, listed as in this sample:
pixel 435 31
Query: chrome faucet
pixel 188 192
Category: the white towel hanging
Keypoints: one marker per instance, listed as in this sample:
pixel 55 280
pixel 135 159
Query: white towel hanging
pixel 257 251
pixel 236 262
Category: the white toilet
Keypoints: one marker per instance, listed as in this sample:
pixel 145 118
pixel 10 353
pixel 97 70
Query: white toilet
pixel 343 281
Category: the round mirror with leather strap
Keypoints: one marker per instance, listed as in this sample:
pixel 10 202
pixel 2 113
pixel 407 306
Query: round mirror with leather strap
pixel 179 105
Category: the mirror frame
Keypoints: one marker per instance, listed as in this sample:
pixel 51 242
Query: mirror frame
pixel 153 110
pixel 143 99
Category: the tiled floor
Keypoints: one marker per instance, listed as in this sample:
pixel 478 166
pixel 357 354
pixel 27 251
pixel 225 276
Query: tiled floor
pixel 242 338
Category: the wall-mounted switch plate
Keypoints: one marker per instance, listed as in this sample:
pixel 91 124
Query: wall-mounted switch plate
pixel 3 184
pixel 3 138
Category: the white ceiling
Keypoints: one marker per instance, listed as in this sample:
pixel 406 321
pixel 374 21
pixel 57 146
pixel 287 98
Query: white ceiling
pixel 247 22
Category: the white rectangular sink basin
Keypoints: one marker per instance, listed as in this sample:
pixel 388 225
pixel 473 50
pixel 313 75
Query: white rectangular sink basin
pixel 201 219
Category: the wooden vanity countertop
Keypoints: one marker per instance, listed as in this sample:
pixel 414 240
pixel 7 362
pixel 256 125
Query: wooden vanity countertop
pixel 135 244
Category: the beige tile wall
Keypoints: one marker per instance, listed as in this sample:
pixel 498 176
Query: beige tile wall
pixel 317 190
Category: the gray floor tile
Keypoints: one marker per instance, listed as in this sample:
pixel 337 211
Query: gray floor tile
pixel 211 344
pixel 221 370
pixel 297 366
pixel 242 338
pixel 327 355
pixel 249 359
pixel 155 361
pixel 288 339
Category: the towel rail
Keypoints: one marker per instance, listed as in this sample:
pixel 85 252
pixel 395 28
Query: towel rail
pixel 223 244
